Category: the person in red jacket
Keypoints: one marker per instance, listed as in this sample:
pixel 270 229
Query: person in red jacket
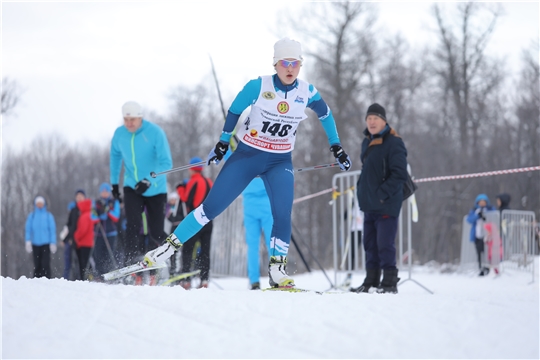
pixel 195 191
pixel 81 230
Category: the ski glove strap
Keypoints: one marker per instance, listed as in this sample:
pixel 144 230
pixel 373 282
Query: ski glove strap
pixel 216 155
pixel 142 186
pixel 341 156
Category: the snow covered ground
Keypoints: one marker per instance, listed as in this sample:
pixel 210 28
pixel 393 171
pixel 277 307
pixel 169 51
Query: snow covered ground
pixel 466 317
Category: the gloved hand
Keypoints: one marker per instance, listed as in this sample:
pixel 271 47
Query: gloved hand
pixel 64 233
pixel 53 248
pixel 116 193
pixel 341 156
pixel 28 247
pixel 480 213
pixel 142 186
pixel 216 155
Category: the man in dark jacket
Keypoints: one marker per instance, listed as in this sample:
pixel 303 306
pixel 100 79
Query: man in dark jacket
pixel 380 194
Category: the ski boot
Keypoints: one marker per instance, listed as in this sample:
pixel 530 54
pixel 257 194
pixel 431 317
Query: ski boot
pixel 372 280
pixel 277 272
pixel 160 254
pixel 389 282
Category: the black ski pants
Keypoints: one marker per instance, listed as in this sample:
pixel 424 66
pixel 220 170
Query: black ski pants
pixel 134 206
pixel 42 261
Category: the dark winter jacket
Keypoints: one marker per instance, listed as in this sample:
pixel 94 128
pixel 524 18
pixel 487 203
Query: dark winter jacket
pixel 505 201
pixel 108 212
pixel 474 215
pixel 384 171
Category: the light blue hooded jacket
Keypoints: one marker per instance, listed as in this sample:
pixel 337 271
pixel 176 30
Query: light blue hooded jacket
pixel 142 152
pixel 40 227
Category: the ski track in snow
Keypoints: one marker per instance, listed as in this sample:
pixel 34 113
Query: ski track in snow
pixel 466 317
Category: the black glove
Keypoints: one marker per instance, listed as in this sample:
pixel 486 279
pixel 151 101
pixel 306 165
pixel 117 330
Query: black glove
pixel 341 156
pixel 116 193
pixel 142 186
pixel 216 155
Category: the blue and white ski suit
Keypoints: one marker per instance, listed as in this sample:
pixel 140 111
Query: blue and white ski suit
pixel 267 138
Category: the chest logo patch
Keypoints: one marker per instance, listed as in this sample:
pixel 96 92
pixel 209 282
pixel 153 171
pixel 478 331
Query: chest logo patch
pixel 268 95
pixel 253 133
pixel 283 107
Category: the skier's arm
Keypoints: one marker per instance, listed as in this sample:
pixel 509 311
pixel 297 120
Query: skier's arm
pixel 319 106
pixel 115 160
pixel 245 98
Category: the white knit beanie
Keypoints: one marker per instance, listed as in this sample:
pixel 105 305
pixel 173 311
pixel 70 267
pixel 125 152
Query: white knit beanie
pixel 131 109
pixel 287 49
pixel 39 199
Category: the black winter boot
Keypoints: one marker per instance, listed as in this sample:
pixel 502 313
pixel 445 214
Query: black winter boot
pixel 373 278
pixel 389 282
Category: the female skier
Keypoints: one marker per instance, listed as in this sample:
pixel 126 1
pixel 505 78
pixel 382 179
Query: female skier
pixel 267 138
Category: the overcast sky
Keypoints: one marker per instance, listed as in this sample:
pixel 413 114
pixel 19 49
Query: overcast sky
pixel 77 63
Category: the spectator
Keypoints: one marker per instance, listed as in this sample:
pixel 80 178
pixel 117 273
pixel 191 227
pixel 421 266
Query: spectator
pixel 108 211
pixel 197 188
pixel 477 219
pixel 503 202
pixel 257 219
pixel 40 236
pixel 67 243
pixel 278 104
pixel 380 194
pixel 81 230
pixel 142 148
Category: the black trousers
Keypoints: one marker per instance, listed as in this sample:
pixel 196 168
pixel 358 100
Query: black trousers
pixel 203 258
pixel 42 261
pixel 479 244
pixel 83 253
pixel 134 206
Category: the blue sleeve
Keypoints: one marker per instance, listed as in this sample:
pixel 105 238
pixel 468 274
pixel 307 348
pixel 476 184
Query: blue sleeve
pixel 472 217
pixel 115 160
pixel 245 98
pixel 28 229
pixel 52 226
pixel 115 211
pixel 318 105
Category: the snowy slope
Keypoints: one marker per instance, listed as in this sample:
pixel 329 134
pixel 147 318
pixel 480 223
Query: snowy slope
pixel 467 317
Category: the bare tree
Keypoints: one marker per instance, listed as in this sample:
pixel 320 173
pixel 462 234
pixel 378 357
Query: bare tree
pixel 11 95
pixel 461 66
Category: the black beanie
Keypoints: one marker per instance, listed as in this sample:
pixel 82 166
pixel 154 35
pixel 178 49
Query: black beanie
pixel 80 191
pixel 376 109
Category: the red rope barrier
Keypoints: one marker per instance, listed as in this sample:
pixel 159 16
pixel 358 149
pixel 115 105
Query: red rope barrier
pixel 487 173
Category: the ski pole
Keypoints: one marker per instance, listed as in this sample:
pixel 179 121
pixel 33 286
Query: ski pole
pixel 185 167
pixel 317 167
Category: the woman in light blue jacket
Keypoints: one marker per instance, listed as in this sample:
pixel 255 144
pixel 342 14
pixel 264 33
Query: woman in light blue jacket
pixel 41 237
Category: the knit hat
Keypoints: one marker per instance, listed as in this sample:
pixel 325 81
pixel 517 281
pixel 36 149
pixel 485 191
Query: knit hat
pixel 194 161
pixel 80 191
pixel 39 199
pixel 105 187
pixel 131 109
pixel 287 49
pixel 376 109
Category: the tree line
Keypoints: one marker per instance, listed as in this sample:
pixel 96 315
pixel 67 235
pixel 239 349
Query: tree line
pixel 458 110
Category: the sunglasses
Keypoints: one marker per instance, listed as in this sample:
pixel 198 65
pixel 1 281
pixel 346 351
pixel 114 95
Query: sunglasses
pixel 293 63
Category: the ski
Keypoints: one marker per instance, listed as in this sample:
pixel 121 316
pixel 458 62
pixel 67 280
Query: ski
pixel 128 270
pixel 300 290
pixel 178 277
